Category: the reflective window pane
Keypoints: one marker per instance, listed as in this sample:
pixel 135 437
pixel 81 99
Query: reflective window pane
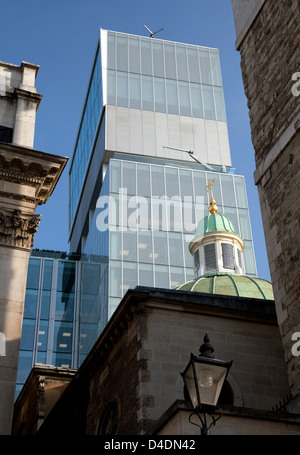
pixel 249 258
pixel 170 62
pixel 146 57
pixel 130 278
pixel 145 246
pixel 134 91
pixel 115 240
pixel 208 101
pixel 196 98
pixel 42 336
pixel 158 59
pixel 215 67
pixel 228 190
pixel 62 341
pixel 122 89
pixel 245 224
pixel 177 276
pixel 147 93
pixel 146 275
pixel 66 276
pixel 220 105
pixel 111 87
pixel 111 51
pixel 205 66
pixel 157 181
pixel 134 55
pixel 172 97
pixel 172 184
pixel 115 279
pixel 193 64
pixel 181 59
pixel 64 310
pixel 159 95
pixel 33 275
pixel 160 247
pixel 47 275
pixel 129 177
pixel 28 332
pixel 122 53
pixel 231 213
pixel 186 184
pixel 115 176
pixel 129 251
pixel 30 305
pixel 184 99
pixel 176 249
pixel 45 304
pixel 162 277
pixel 143 180
pixel 240 192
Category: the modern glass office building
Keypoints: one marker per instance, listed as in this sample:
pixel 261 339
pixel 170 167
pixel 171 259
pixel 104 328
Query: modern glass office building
pixel 136 193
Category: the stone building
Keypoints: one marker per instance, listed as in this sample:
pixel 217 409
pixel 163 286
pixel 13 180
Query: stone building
pixel 268 33
pixel 27 179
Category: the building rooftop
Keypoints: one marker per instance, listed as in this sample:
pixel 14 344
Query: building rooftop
pixel 230 284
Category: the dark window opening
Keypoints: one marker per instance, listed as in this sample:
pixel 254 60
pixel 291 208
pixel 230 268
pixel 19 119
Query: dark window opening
pixel 109 420
pixel 6 134
pixel 226 395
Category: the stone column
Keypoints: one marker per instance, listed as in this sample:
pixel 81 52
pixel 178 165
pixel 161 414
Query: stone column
pixel 27 179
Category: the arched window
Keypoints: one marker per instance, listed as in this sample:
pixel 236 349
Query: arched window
pixel 109 420
pixel 226 395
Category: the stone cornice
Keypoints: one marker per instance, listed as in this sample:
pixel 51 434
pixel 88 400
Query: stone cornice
pixel 31 168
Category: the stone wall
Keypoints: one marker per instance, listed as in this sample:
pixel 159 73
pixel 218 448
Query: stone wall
pixel 270 56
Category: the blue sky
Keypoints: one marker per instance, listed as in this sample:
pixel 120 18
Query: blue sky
pixel 61 36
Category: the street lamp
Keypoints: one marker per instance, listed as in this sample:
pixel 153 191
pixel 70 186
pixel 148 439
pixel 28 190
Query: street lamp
pixel 204 377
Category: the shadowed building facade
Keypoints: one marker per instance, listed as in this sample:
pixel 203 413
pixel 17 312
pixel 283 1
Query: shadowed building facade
pixel 27 179
pixel 267 35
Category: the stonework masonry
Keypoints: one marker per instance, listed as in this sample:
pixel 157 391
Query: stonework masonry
pixel 27 179
pixel 268 40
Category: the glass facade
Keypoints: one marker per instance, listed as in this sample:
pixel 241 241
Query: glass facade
pixel 145 74
pixel 163 76
pixel 61 311
pixel 146 216
pixel 86 134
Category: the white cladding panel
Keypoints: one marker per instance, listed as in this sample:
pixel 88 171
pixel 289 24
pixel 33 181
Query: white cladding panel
pixel 147 133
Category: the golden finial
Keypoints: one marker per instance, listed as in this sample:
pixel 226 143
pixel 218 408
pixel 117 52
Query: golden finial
pixel 213 207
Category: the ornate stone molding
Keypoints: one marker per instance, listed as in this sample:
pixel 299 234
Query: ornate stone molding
pixel 32 169
pixel 17 230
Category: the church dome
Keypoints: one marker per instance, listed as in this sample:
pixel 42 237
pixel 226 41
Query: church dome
pixel 230 284
pixel 215 222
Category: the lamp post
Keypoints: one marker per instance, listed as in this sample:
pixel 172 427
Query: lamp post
pixel 204 377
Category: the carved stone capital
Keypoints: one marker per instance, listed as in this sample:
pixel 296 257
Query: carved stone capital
pixel 17 229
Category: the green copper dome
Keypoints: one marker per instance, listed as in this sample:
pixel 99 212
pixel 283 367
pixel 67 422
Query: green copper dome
pixel 230 284
pixel 215 222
